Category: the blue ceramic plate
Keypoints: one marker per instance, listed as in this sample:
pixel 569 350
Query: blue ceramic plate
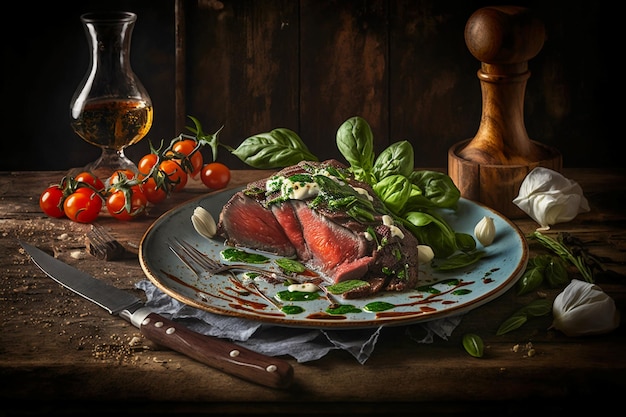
pixel 439 294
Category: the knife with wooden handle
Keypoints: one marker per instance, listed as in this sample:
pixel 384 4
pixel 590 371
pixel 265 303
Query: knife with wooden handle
pixel 212 351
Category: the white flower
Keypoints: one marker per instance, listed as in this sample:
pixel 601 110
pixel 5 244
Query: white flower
pixel 549 198
pixel 584 309
pixel 485 231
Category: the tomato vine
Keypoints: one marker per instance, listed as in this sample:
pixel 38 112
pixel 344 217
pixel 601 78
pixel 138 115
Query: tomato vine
pixel 126 194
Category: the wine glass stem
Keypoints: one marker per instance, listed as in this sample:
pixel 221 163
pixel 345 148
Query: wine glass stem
pixel 111 160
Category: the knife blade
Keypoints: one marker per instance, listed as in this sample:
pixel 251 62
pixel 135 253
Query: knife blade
pixel 215 352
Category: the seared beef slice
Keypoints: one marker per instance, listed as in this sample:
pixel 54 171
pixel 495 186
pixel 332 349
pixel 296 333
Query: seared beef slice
pixel 320 227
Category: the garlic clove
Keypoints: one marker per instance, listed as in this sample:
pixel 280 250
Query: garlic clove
pixel 582 308
pixel 485 231
pixel 203 222
pixel 425 254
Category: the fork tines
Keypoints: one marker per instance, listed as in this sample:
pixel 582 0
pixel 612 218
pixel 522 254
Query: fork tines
pixel 200 263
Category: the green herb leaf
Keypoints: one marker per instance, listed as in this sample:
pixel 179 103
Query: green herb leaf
pixel 535 308
pixel 531 280
pixel 277 149
pixel 239 255
pixel 394 190
pixel 343 286
pixel 437 188
pixel 512 323
pixel 473 344
pixel 465 242
pixel 376 306
pixel 560 248
pixel 556 273
pixel 355 141
pixel 396 159
pixel 459 260
pixel 290 265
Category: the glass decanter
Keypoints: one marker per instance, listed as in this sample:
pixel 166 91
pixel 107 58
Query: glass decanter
pixel 111 108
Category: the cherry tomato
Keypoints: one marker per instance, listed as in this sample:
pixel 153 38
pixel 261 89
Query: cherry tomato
pixel 89 178
pixel 175 173
pixel 215 175
pixel 51 201
pixel 83 206
pixel 118 175
pixel 153 193
pixel 187 147
pixel 146 163
pixel 87 191
pixel 121 209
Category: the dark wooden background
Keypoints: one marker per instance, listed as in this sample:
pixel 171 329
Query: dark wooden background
pixel 308 65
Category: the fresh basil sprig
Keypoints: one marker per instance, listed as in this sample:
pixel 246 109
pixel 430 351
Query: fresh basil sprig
pixel 279 148
pixel 560 248
pixel 540 269
pixel 355 141
pixel 397 158
pixel 535 308
pixel 459 260
pixel 395 191
pixel 413 197
pixel 438 190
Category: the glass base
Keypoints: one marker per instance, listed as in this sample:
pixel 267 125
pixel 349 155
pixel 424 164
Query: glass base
pixel 110 161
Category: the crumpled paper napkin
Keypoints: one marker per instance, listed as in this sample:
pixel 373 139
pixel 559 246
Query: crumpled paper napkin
pixel 303 344
pixel 549 198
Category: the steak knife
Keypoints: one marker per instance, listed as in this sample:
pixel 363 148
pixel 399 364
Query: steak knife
pixel 212 351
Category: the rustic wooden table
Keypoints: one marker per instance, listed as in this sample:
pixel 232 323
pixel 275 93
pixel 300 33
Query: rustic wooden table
pixel 61 354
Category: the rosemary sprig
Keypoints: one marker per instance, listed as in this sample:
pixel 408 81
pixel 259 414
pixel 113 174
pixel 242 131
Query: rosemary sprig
pixel 559 248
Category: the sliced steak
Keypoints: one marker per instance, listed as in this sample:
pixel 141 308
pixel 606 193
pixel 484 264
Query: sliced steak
pixel 245 222
pixel 286 216
pixel 318 213
pixel 335 250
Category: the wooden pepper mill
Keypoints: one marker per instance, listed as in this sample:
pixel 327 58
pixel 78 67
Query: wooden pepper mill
pixel 490 167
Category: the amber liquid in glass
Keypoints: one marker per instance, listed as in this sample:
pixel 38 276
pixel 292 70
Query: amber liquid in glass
pixel 114 123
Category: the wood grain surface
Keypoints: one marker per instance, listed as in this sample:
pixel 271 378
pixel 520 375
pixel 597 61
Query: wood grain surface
pixel 61 354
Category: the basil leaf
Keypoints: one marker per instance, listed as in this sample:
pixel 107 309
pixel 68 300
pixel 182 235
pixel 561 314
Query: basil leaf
pixel 459 260
pixel 512 323
pixel 394 191
pixel 465 242
pixel 355 141
pixel 396 159
pixel 473 344
pixel 437 187
pixel 276 149
pixel 347 285
pixel 535 308
pixel 290 265
pixel 540 261
pixel 556 273
pixel 430 229
pixel 530 281
pixel 419 219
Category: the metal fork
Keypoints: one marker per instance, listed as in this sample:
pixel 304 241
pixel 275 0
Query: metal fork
pixel 203 266
pixel 103 245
